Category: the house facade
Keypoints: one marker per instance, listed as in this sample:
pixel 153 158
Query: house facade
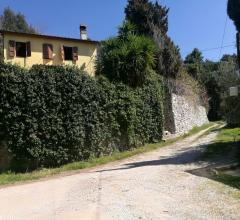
pixel 27 50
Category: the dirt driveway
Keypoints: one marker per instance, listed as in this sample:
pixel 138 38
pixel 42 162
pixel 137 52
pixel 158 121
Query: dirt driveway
pixel 156 185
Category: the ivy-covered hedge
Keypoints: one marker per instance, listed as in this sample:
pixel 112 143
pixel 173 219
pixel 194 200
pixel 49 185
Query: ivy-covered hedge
pixel 53 115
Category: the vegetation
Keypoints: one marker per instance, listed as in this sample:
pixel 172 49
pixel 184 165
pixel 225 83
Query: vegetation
pixel 233 181
pixel 226 140
pixel 194 63
pixel 225 148
pixel 11 177
pixel 151 20
pixel 127 58
pixel 11 21
pixel 234 11
pixel 216 77
pixel 50 116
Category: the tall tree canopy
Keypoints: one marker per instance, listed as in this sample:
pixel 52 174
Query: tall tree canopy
pixel 151 19
pixel 234 12
pixel 216 77
pixel 194 57
pixel 193 63
pixel 11 21
pixel 147 17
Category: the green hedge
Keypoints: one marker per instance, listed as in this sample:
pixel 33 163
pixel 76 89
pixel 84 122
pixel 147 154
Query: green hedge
pixel 54 115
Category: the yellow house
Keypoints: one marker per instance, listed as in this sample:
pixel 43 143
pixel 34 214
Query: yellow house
pixel 27 50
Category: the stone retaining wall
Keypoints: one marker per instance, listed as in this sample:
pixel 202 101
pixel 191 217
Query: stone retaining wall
pixel 184 114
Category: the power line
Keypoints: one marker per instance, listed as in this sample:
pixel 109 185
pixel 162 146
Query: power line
pixel 224 32
pixel 217 48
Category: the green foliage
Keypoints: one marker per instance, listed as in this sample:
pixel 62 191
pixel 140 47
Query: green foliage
pixel 145 14
pixel 127 58
pixel 169 59
pixel 194 57
pixel 151 19
pixel 225 144
pixel 11 178
pixel 126 29
pixel 54 115
pixel 216 77
pixel 193 62
pixel 11 21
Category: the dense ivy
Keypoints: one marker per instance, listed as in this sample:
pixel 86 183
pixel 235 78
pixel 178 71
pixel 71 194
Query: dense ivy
pixel 53 115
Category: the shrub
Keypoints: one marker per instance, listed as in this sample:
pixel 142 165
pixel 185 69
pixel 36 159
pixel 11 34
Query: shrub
pixel 127 59
pixel 54 115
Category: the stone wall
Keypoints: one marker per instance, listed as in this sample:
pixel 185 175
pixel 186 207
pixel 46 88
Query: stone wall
pixel 184 115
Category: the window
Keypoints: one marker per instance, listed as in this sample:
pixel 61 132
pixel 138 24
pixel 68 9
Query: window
pixel 68 53
pixel 23 49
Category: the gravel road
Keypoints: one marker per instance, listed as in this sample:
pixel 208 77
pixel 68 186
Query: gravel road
pixel 156 185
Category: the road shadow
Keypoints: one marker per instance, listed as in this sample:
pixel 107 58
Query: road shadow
pixel 224 153
pixel 183 156
pixel 221 157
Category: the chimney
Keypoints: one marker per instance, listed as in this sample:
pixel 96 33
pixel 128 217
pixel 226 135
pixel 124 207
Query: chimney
pixel 83 32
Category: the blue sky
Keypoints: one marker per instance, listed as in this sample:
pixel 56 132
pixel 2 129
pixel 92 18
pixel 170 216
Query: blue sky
pixel 192 23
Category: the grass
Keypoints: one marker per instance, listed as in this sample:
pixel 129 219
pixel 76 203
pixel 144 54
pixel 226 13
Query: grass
pixel 11 178
pixel 227 139
pixel 225 148
pixel 233 181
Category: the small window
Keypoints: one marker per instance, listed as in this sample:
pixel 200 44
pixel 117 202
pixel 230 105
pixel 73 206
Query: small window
pixel 68 53
pixel 21 49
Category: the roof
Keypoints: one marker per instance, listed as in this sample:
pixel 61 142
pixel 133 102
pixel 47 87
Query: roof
pixel 48 36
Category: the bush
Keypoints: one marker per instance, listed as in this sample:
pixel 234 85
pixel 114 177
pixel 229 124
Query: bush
pixel 127 59
pixel 54 115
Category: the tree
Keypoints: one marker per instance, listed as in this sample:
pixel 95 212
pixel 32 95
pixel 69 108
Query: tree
pixel 217 77
pixel 126 29
pixel 234 12
pixel 147 17
pixel 151 19
pixel 11 21
pixel 127 58
pixel 194 57
pixel 193 63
